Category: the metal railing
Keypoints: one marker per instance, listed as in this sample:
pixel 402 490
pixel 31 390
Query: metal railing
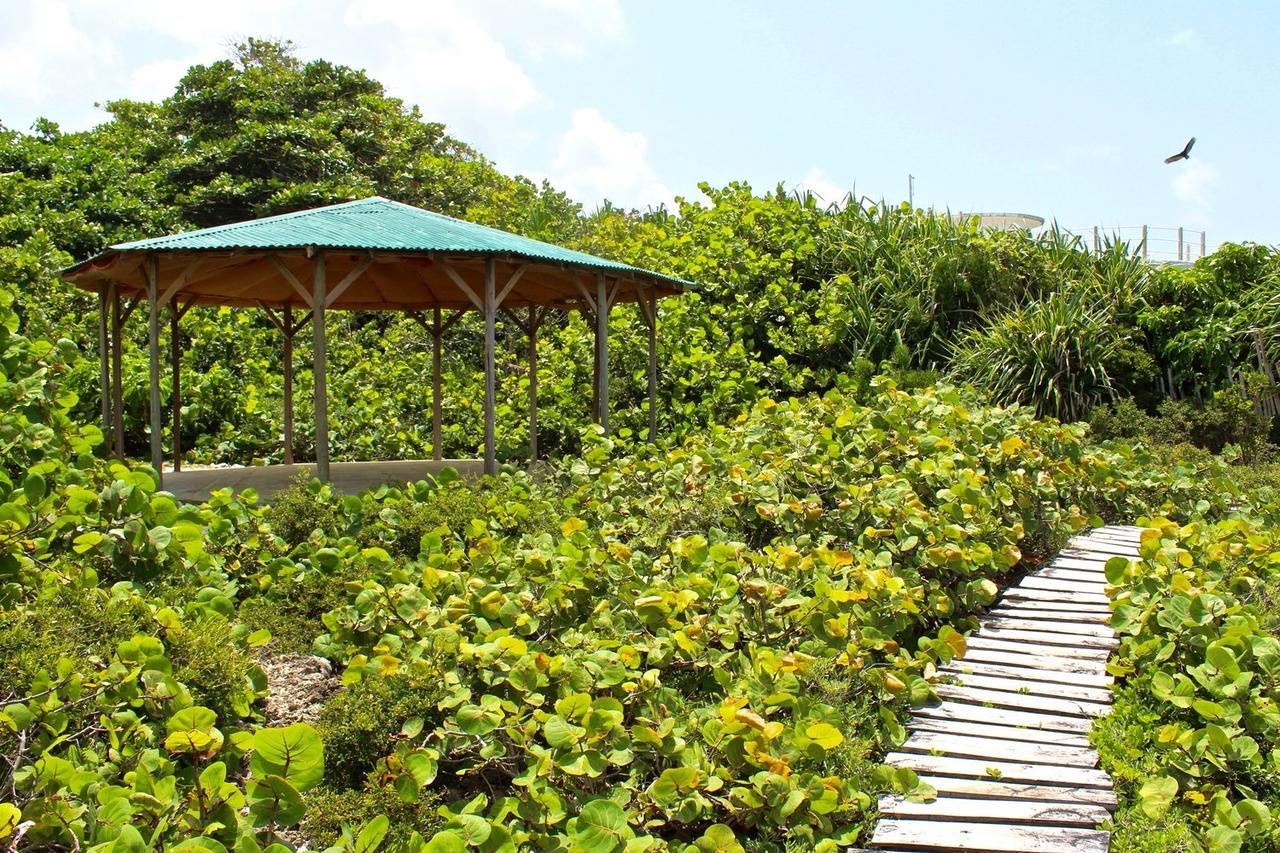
pixel 1159 243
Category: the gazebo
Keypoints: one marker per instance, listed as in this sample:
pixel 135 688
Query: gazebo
pixel 369 255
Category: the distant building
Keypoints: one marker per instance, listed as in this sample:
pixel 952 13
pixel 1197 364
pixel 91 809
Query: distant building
pixel 1003 221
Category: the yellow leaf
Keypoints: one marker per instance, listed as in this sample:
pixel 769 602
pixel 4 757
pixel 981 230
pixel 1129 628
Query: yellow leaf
pixel 572 526
pixel 1012 445
pixel 750 718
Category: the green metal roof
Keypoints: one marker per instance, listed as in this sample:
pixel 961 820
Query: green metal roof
pixel 377 224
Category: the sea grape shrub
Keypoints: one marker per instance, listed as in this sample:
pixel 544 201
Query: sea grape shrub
pixel 306 506
pixel 1198 650
pixel 359 722
pixel 648 670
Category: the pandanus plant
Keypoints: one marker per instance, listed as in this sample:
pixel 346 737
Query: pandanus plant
pixel 1051 354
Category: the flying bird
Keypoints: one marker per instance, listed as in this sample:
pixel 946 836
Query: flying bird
pixel 1184 154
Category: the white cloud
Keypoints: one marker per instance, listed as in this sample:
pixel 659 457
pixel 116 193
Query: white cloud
pixel 598 160
pixel 817 182
pixel 441 56
pixel 463 61
pixel 1184 38
pixel 555 28
pixel 48 57
pixel 1194 186
pixel 156 81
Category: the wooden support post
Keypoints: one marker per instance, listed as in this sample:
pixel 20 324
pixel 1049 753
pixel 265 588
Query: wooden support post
pixel 535 320
pixel 653 364
pixel 117 387
pixel 289 331
pixel 318 366
pixel 1202 244
pixel 490 365
pixel 1144 241
pixel 602 351
pixel 437 404
pixel 153 353
pixel 1180 243
pixel 104 363
pixel 595 373
pixel 175 396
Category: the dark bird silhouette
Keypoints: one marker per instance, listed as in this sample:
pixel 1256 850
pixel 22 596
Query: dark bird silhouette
pixel 1184 154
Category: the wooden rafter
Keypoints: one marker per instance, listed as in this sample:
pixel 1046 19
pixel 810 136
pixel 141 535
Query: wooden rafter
pixel 293 280
pixel 586 294
pixel 461 283
pixel 347 281
pixel 511 282
pixel 183 279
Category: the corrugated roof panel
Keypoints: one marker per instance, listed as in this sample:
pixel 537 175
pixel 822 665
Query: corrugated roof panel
pixel 375 224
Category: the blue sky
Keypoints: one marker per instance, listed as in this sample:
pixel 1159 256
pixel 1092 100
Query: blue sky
pixel 1063 110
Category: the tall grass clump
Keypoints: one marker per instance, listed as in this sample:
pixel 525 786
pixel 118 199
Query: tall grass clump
pixel 1052 354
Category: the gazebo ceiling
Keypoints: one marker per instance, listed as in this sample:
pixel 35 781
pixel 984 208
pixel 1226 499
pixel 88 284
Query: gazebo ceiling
pixel 379 254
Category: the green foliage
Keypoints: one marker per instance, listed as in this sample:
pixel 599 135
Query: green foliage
pixel 1227 418
pixel 1053 355
pixel 689 679
pixel 305 507
pixel 1206 674
pixel 336 815
pixel 1123 418
pixel 704 644
pixel 361 723
pixel 452 507
pixel 216 669
pixel 1228 422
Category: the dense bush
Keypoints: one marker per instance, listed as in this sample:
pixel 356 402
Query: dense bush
pixel 1227 419
pixel 1054 355
pixel 704 644
pixel 361 723
pixel 791 293
pixel 305 507
pixel 1197 728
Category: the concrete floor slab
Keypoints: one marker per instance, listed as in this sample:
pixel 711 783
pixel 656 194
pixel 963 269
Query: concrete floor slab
pixel 197 484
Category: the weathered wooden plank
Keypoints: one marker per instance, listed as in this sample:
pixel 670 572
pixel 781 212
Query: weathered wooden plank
pixel 985 730
pixel 1038 582
pixel 1027 686
pixel 1132 543
pixel 1102 536
pixel 1049 637
pixel 1098 600
pixel 1085 629
pixel 1015 791
pixel 1021 701
pixel 1030 673
pixel 1097 656
pixel 1022 658
pixel 1095 553
pixel 1095 579
pixel 996 771
pixel 964 746
pixel 1048 614
pixel 949 835
pixel 1042 600
pixel 987 810
pixel 1109 530
pixel 1082 564
pixel 1029 720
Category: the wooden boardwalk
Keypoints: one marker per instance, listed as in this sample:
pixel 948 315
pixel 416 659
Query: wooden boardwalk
pixel 1007 747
